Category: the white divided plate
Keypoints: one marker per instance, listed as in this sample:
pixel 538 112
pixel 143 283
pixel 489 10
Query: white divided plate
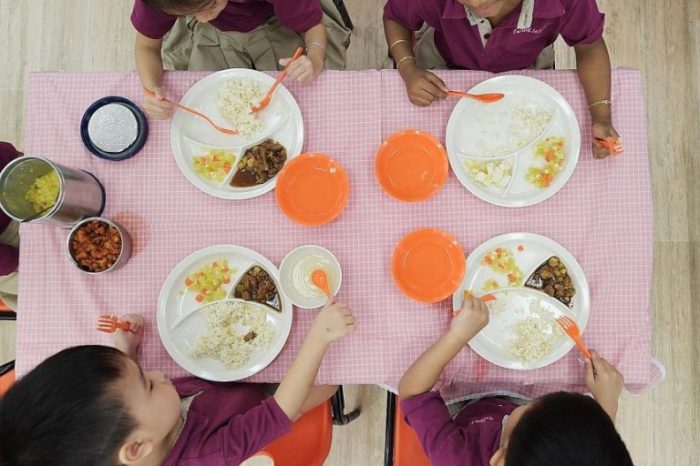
pixel 475 128
pixel 180 322
pixel 530 251
pixel 291 278
pixel 191 136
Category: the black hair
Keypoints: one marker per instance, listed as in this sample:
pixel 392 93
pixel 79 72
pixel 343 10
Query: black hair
pixel 66 411
pixel 566 429
pixel 179 7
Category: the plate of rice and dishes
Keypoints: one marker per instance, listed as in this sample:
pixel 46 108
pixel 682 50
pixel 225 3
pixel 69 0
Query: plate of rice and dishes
pixel 534 280
pixel 222 314
pixel 518 151
pixel 246 164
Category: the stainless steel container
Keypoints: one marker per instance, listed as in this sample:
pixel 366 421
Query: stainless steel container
pixel 124 254
pixel 80 194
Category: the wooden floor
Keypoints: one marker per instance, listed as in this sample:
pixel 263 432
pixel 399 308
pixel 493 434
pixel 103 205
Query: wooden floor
pixel 661 37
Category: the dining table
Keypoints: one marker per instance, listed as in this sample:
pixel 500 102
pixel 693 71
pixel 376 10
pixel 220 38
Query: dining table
pixel 602 216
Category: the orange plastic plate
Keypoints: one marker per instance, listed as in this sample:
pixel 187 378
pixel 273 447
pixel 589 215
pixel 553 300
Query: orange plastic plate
pixel 428 265
pixel 312 189
pixel 411 165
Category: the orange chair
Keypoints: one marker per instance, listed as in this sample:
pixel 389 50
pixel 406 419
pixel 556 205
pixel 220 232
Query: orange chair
pixel 7 376
pixel 309 442
pixel 402 447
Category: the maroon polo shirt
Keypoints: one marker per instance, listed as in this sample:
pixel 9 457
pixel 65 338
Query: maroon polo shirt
pixel 239 15
pixel 513 44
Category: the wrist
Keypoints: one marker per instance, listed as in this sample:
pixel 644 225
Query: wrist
pixel 406 68
pixel 455 339
pixel 600 113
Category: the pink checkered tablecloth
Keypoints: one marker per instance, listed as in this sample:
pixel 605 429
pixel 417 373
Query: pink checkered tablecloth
pixel 603 216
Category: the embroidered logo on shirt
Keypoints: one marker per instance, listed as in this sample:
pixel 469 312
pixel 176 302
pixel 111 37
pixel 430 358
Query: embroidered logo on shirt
pixel 527 31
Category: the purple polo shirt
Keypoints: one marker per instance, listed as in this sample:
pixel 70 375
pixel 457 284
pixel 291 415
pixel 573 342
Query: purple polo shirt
pixel 508 47
pixel 239 15
pixel 9 256
pixel 468 440
pixel 226 423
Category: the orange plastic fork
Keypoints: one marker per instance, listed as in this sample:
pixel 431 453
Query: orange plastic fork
pixel 196 113
pixel 613 145
pixel 266 100
pixel 571 328
pixel 468 294
pixel 485 98
pixel 110 324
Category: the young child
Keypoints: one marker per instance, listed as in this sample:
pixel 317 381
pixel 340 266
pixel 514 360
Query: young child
pixel 9 240
pixel 557 429
pixel 221 34
pixel 497 36
pixel 94 406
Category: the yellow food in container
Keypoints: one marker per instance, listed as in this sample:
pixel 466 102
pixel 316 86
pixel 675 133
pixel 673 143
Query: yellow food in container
pixel 43 193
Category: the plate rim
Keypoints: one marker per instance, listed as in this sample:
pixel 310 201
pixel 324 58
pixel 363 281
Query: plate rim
pixel 571 262
pixel 169 284
pixel 394 266
pixel 434 188
pixel 177 138
pixel 340 170
pixel 454 158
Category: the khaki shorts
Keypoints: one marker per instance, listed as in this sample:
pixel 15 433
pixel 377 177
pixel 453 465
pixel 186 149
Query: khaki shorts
pixel 428 57
pixel 195 46
pixel 8 283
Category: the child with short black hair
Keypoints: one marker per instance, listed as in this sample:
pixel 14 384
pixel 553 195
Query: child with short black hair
pixel 556 429
pixel 94 406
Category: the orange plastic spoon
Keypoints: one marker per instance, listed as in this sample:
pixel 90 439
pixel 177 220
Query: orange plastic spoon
pixel 196 113
pixel 485 98
pixel 266 100
pixel 320 279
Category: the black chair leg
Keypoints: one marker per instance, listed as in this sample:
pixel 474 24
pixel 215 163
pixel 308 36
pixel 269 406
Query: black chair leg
pixel 8 315
pixel 389 430
pixel 340 418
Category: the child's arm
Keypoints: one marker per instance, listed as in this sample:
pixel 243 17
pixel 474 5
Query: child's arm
pixel 128 341
pixel 593 64
pixel 605 383
pixel 149 66
pixel 422 86
pixel 307 67
pixel 423 374
pixel 332 322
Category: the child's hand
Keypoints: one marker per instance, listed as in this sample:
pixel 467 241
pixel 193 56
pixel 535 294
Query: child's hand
pixel 473 317
pixel 128 341
pixel 302 69
pixel 602 130
pixel 333 322
pixel 605 382
pixel 156 106
pixel 422 86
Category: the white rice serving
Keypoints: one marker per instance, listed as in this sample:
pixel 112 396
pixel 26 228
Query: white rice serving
pixel 235 100
pixel 510 125
pixel 229 323
pixel 534 337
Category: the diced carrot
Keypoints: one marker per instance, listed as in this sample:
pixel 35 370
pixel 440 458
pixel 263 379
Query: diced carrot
pixel 521 248
pixel 188 281
pixel 488 259
pixel 227 280
pixel 199 298
pixel 226 168
pixel 215 264
pixel 488 297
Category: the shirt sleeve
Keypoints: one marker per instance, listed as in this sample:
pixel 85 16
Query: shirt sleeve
pixel 150 22
pixel 7 154
pixel 9 259
pixel 248 433
pixel 442 440
pixel 300 16
pixel 583 23
pixel 405 12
